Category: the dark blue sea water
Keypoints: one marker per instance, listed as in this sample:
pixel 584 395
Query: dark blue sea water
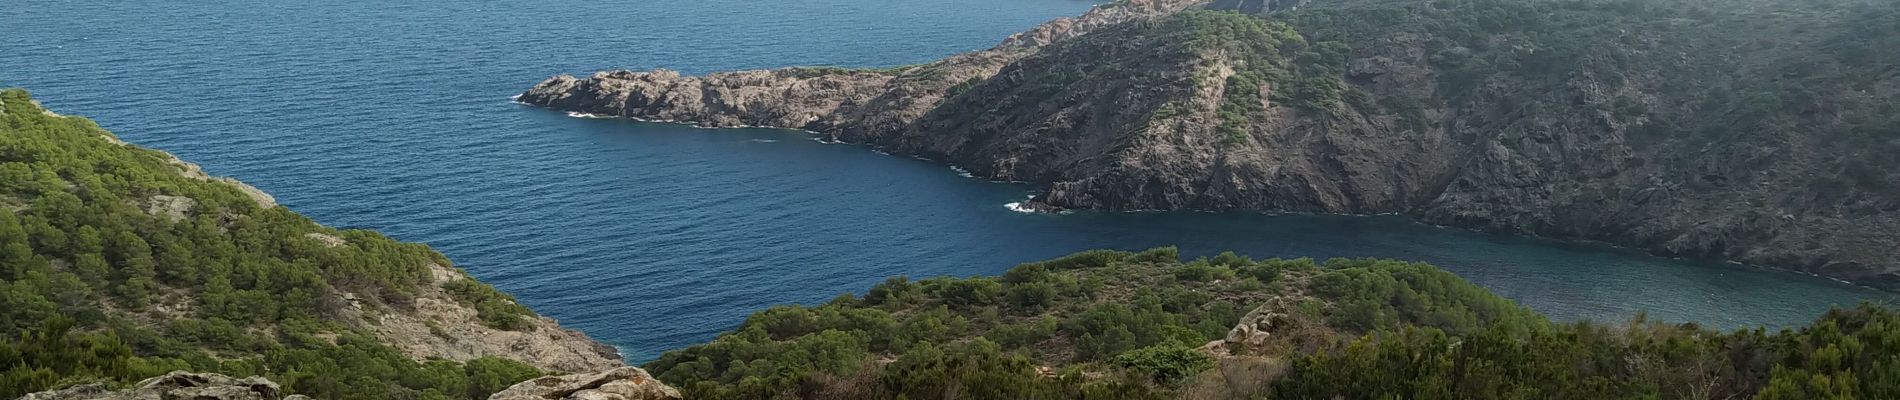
pixel 394 115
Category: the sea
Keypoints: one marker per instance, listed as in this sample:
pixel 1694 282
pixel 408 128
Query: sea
pixel 395 115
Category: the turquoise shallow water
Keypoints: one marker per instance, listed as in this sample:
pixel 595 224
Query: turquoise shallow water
pixel 394 115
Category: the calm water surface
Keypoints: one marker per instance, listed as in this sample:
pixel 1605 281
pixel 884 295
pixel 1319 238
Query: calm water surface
pixel 394 115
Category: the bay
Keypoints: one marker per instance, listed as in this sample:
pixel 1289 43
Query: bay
pixel 393 115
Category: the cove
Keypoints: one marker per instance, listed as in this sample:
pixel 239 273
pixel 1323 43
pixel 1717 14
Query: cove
pixel 393 115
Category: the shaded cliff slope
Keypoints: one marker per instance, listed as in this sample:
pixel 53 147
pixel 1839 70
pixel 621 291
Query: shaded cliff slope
pixel 1758 131
pixel 119 263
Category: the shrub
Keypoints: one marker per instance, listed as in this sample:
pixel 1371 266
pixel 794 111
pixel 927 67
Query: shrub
pixel 1166 364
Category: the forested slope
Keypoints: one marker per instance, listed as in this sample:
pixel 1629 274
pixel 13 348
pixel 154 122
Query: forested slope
pixel 1118 325
pixel 119 263
pixel 1757 131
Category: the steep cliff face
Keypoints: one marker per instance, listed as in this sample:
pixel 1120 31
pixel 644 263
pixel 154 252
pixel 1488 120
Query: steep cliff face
pixel 1757 131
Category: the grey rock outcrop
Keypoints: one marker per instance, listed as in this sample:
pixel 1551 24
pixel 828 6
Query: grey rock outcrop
pixel 173 208
pixel 440 327
pixel 625 383
pixel 621 383
pixel 175 385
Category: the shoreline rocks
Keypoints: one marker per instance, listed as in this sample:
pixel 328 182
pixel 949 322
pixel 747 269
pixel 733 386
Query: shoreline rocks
pixel 1110 115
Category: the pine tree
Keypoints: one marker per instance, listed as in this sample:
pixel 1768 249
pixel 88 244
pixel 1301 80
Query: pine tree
pixel 136 272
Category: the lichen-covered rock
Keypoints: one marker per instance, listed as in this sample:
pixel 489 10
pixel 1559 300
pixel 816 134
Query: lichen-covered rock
pixel 438 326
pixel 175 385
pixel 173 208
pixel 624 383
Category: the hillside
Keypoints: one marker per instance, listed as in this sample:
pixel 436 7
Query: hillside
pixel 1119 325
pixel 119 263
pixel 1757 131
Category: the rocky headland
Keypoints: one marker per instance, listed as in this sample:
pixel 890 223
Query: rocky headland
pixel 1748 146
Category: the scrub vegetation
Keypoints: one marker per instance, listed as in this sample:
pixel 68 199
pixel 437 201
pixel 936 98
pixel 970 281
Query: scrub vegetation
pixel 106 275
pixel 1121 325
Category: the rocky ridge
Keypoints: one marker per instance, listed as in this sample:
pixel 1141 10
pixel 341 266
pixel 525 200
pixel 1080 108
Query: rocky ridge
pixel 622 383
pixel 1389 112
pixel 175 385
pixel 847 104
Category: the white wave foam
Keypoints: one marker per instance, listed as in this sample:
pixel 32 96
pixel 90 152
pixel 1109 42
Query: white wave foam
pixel 578 114
pixel 962 172
pixel 765 140
pixel 1018 207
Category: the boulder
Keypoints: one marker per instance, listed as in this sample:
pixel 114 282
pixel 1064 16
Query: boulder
pixel 624 383
pixel 175 385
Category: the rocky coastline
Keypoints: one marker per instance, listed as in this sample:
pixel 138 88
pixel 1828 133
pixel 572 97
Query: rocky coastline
pixel 1107 112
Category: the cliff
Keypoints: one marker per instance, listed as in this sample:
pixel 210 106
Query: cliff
pixel 1766 142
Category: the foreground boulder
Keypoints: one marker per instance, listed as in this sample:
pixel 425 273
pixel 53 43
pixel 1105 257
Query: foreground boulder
pixel 624 383
pixel 175 385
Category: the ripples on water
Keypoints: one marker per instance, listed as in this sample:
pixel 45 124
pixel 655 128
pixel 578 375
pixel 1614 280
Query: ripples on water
pixel 393 115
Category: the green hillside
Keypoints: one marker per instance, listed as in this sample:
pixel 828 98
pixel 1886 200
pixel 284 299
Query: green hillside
pixel 107 275
pixel 1117 325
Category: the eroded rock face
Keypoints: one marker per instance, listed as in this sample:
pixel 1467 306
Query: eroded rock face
pixel 440 327
pixel 624 383
pixel 173 208
pixel 175 385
